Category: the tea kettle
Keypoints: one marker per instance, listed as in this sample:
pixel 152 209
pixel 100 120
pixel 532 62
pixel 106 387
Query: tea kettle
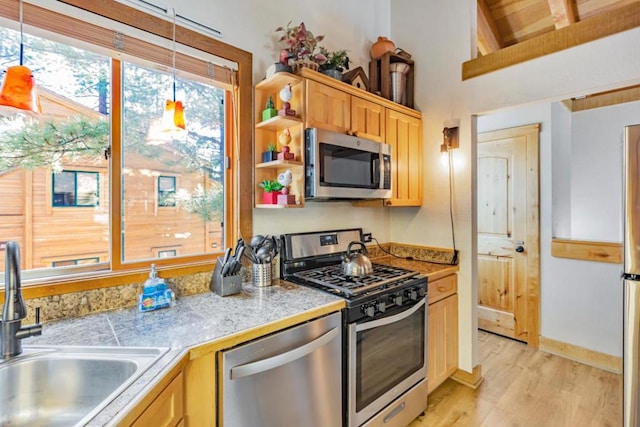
pixel 356 264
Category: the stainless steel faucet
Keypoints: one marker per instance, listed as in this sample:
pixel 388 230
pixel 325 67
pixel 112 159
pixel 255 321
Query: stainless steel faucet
pixel 14 311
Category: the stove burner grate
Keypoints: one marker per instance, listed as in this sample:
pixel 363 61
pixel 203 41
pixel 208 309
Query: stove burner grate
pixel 332 277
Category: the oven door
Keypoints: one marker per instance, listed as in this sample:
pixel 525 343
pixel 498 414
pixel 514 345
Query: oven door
pixel 387 356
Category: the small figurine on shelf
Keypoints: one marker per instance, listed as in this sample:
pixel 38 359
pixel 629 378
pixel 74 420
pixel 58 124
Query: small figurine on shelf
pixel 286 94
pixel 285 179
pixel 285 139
pixel 269 110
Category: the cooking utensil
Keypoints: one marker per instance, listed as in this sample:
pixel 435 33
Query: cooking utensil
pixel 256 241
pixel 356 264
pixel 264 255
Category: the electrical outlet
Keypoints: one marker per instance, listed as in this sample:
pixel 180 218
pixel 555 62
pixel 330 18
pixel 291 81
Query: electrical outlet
pixel 366 237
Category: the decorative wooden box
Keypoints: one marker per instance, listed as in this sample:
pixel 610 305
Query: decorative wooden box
pixel 380 76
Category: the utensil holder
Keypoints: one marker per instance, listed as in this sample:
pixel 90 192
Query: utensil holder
pixel 224 285
pixel 262 275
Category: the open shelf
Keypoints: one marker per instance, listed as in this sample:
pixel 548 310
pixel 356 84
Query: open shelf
pixel 261 205
pixel 279 164
pixel 279 123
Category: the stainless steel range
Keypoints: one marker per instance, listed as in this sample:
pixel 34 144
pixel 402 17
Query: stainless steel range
pixel 385 327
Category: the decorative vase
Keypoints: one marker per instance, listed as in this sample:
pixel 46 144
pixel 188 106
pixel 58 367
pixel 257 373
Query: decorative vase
pixel 269 156
pixel 382 46
pixel 270 198
pixel 333 73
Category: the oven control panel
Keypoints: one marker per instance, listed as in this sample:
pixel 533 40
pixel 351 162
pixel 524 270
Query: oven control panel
pixel 388 303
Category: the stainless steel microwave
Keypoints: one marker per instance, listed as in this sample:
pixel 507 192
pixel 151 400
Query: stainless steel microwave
pixel 340 166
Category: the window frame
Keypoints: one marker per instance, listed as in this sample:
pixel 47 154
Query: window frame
pixel 238 208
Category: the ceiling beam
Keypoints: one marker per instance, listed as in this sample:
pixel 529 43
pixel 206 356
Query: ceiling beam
pixel 605 99
pixel 489 39
pixel 563 12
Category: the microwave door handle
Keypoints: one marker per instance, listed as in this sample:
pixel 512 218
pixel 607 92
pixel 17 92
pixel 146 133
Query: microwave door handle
pixel 376 172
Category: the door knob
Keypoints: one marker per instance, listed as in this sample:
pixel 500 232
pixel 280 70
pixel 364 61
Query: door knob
pixel 519 249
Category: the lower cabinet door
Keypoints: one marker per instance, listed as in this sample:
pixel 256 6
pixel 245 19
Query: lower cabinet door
pixel 442 341
pixel 167 410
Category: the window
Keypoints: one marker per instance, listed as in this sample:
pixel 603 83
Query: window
pixel 91 147
pixel 71 188
pixel 167 253
pixel 166 191
pixel 81 261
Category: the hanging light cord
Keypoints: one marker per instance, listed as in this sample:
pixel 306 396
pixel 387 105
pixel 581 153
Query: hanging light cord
pixel 21 37
pixel 174 55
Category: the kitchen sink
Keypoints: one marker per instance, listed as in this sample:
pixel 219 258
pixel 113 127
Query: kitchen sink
pixel 67 386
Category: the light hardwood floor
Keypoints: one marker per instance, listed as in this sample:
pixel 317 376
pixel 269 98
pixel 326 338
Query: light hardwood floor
pixel 527 387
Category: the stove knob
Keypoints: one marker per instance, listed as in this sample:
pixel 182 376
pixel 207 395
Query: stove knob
pixel 369 310
pixel 412 294
pixel 396 299
pixel 422 291
pixel 381 306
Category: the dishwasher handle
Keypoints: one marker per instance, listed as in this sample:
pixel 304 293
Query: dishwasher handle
pixel 260 366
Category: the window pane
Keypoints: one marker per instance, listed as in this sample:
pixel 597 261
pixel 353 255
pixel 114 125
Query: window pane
pixel 87 188
pixel 54 162
pixel 64 184
pixel 194 161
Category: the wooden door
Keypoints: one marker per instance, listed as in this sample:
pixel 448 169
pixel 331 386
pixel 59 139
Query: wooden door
pixel 367 119
pixel 508 233
pixel 327 108
pixel 404 134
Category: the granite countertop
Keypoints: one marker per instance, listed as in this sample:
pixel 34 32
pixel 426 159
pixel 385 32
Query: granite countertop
pixel 433 271
pixel 191 322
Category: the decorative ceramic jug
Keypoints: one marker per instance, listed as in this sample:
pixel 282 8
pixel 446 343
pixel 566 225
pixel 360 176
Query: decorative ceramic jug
pixel 382 46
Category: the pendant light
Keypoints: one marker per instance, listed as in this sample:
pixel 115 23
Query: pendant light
pixel 172 125
pixel 19 87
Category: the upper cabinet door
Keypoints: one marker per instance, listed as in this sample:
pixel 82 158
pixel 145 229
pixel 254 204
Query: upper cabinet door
pixel 404 134
pixel 367 119
pixel 328 108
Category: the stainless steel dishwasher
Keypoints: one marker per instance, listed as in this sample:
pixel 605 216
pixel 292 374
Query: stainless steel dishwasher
pixel 290 378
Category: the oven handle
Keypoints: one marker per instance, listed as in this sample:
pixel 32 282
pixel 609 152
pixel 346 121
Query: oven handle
pixel 260 366
pixel 391 319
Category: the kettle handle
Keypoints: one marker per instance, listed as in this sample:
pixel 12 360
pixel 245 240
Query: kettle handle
pixel 364 248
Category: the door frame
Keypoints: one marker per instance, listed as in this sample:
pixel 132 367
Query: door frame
pixel 531 135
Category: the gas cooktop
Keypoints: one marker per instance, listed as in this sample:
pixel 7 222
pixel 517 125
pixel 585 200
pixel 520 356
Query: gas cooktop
pixel 331 278
pixel 315 259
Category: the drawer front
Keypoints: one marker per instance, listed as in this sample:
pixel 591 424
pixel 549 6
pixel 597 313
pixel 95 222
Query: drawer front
pixel 167 410
pixel 442 288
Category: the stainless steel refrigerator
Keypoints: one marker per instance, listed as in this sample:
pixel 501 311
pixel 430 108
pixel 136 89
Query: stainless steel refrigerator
pixel 631 345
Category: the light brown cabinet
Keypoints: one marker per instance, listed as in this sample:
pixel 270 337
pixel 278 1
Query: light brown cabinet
pixel 327 108
pixel 442 338
pixel 167 409
pixel 404 134
pixel 335 110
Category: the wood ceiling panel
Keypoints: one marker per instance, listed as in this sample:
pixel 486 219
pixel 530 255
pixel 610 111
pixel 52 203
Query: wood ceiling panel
pixel 514 21
pixel 525 23
pixel 587 8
